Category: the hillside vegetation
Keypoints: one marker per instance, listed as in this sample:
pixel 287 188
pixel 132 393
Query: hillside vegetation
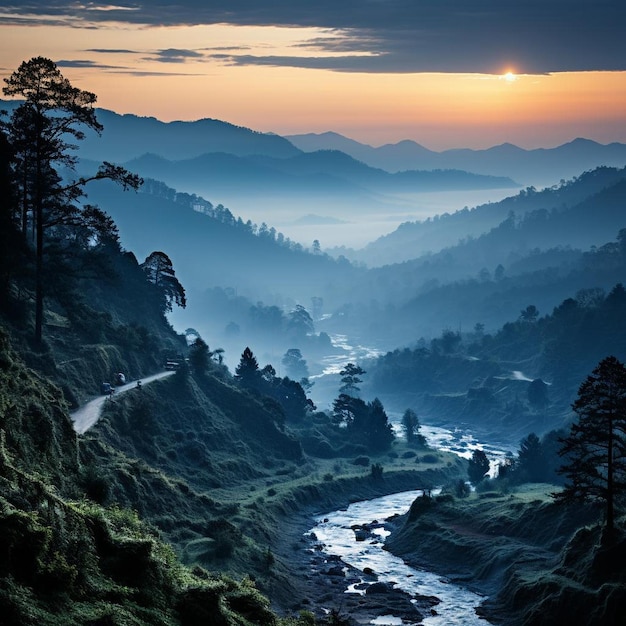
pixel 521 378
pixel 538 562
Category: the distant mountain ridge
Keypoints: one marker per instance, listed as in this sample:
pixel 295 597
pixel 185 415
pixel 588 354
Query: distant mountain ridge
pixel 598 193
pixel 539 166
pixel 318 174
pixel 128 136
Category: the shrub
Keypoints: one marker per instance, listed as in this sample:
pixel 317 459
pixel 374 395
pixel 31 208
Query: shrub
pixel 409 454
pixel 445 498
pixel 361 460
pixel 376 471
pixel 430 458
pixel 461 489
pixel 328 477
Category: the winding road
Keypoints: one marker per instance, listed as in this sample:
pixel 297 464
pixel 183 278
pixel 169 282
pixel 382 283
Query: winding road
pixel 88 414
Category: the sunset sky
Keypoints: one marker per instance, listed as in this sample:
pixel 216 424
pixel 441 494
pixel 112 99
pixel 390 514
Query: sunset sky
pixel 445 73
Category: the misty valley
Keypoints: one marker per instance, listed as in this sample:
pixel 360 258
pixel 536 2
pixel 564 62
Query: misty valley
pixel 252 380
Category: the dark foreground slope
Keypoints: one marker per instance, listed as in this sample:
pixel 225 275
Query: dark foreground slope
pixel 67 560
pixel 193 461
pixel 539 563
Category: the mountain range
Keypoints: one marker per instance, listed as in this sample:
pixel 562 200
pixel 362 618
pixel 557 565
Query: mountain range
pixel 536 167
pixel 128 136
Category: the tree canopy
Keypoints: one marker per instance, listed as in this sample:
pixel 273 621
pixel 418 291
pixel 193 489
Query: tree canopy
pixel 160 272
pixel 350 379
pixel 478 466
pixel 41 132
pixel 595 449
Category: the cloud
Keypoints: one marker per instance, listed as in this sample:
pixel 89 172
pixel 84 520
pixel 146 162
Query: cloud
pixel 83 63
pixel 534 36
pixel 111 51
pixel 117 69
pixel 174 55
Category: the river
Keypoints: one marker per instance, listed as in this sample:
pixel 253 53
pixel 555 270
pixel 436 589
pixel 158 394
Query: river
pixel 335 533
pixel 336 536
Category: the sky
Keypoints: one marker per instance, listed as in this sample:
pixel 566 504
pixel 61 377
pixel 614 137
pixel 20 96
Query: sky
pixel 444 73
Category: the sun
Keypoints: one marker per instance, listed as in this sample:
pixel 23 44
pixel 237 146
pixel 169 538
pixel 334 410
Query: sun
pixel 509 77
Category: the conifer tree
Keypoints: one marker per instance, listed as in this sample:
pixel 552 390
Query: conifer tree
pixel 350 379
pixel 160 272
pixel 40 129
pixel 247 372
pixel 595 449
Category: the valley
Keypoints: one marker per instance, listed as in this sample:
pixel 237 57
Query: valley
pixel 454 384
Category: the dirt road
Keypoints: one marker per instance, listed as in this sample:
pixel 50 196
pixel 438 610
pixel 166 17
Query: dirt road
pixel 88 414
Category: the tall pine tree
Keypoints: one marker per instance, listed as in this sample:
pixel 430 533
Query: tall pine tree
pixel 595 450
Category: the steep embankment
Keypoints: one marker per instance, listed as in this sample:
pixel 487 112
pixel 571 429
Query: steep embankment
pixel 88 414
pixel 228 486
pixel 533 558
pixel 65 560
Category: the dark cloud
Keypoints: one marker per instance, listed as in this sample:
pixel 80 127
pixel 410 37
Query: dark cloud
pixel 111 51
pixel 141 73
pixel 116 69
pixel 173 55
pixel 82 63
pixel 534 36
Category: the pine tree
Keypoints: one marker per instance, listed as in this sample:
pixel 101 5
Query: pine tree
pixel 350 379
pixel 247 372
pixel 160 272
pixel 595 449
pixel 478 466
pixel 40 129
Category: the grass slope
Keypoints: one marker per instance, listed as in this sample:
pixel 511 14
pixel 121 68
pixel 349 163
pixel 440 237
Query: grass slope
pixel 66 560
pixel 538 562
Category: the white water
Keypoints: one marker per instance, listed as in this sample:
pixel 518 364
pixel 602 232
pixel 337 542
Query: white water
pixel 459 442
pixel 334 363
pixel 334 531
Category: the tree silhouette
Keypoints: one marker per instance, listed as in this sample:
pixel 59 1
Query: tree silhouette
pixel 411 425
pixel 529 314
pixel 247 372
pixel 40 131
pixel 12 248
pixel 478 466
pixel 366 423
pixel 531 463
pixel 299 321
pixel 160 272
pixel 350 379
pixel 295 365
pixel 199 356
pixel 595 449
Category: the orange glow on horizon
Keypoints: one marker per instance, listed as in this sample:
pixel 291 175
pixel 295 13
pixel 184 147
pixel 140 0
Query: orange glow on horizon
pixel 437 110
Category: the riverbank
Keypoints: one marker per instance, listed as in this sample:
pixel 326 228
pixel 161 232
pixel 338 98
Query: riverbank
pixel 303 579
pixel 537 562
pixel 533 561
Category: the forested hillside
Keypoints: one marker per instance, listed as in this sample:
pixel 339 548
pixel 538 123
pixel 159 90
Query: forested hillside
pixel 521 378
pixel 581 212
